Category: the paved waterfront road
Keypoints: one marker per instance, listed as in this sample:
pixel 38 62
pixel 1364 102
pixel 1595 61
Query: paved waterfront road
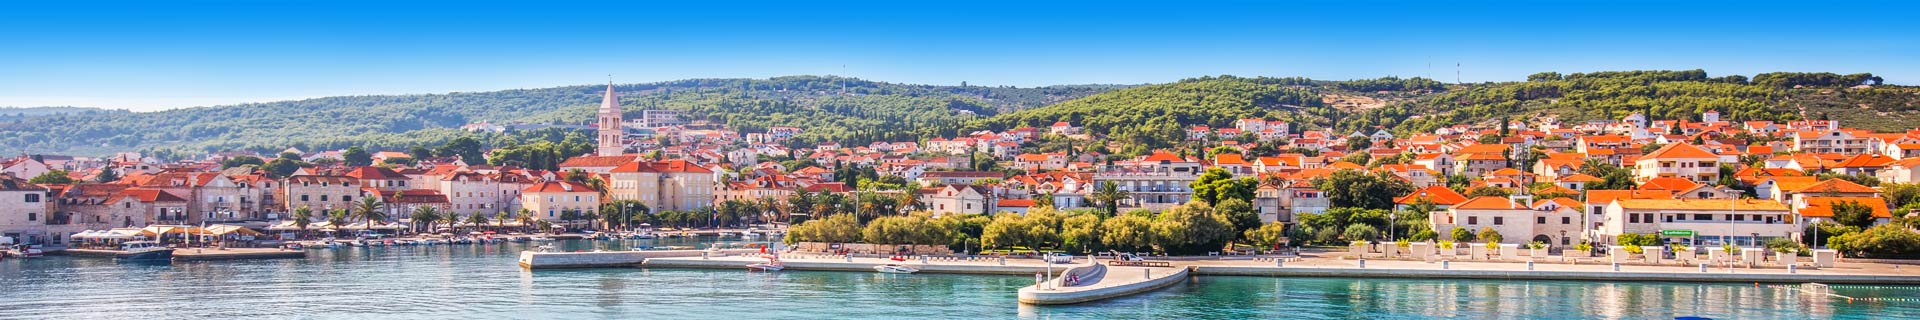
pixel 482 282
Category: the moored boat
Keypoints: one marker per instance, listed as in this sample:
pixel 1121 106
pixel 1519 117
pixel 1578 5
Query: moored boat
pixel 143 251
pixel 894 268
pixel 772 264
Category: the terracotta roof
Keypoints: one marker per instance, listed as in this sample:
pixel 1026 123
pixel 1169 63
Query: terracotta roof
pixel 675 165
pixel 1836 185
pixel 1680 151
pixel 375 173
pixel 147 195
pixel 1579 177
pixel 1496 149
pixel 1486 203
pixel 558 186
pixel 963 174
pixel 1163 155
pixel 1021 203
pixel 1564 202
pixel 1439 195
pixel 1606 196
pixel 598 161
pixel 1229 159
pixel 1703 204
pixel 11 183
pixel 1865 160
pixel 1669 183
pixel 1822 207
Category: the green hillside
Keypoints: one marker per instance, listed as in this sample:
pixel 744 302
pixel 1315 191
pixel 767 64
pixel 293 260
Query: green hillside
pixel 839 108
pixel 1155 115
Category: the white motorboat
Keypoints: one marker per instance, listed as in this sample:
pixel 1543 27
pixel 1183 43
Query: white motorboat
pixel 143 251
pixel 644 235
pixel 24 251
pixel 772 264
pixel 894 268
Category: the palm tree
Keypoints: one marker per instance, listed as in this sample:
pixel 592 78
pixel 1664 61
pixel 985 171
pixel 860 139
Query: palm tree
pixel 426 214
pixel 1108 195
pixel 302 217
pixel 477 220
pixel 336 218
pixel 499 219
pixel 525 218
pixel 369 208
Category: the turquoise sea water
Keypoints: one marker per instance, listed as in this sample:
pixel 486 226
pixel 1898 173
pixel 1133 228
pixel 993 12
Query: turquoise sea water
pixel 483 282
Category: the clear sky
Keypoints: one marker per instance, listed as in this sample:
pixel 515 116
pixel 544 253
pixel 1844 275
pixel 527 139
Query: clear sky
pixel 147 55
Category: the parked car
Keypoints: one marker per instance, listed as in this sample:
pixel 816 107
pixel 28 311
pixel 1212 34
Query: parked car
pixel 1058 258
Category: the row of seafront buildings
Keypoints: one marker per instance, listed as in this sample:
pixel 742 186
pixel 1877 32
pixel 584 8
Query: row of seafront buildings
pixel 702 164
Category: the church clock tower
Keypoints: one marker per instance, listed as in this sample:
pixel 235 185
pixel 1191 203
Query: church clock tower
pixel 610 132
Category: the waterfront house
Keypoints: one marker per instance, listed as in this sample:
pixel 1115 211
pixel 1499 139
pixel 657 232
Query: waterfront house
pixel 549 200
pixel 1743 221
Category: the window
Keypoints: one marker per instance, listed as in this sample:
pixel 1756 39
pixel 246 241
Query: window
pixel 343 198
pixel 323 197
pixel 1739 217
pixel 1667 218
pixel 33 197
pixel 1566 241
pixel 303 197
pixel 1473 220
pixel 1499 220
pixel 1633 218
pixel 1702 217
pixel 1540 220
pixel 31 216
pixel 1566 220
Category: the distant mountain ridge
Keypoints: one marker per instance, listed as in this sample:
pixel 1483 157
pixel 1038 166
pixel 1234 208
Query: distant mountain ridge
pixel 859 111
pixel 397 121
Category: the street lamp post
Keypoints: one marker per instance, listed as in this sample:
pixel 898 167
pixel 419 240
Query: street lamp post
pixel 1732 200
pixel 1392 216
pixel 1816 232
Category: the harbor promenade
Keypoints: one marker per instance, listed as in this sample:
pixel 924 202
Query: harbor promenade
pixel 202 254
pixel 1104 281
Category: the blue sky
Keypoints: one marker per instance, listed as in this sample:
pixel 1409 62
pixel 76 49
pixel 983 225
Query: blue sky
pixel 154 55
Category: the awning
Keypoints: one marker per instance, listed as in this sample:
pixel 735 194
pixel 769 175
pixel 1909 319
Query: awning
pixel 222 229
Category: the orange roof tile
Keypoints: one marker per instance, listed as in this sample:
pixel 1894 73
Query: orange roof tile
pixel 1703 204
pixel 1606 196
pixel 1822 207
pixel 1439 195
pixel 1669 183
pixel 1486 203
pixel 1680 151
pixel 1837 186
pixel 1579 177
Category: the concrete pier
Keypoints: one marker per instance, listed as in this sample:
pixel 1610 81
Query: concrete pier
pixel 202 254
pixel 593 259
pixel 1022 268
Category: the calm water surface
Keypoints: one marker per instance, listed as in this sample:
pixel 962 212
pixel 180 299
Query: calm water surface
pixel 483 282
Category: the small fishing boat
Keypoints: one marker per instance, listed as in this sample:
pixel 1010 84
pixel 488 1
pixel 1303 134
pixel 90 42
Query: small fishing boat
pixel 25 251
pixel 771 265
pixel 294 246
pixel 143 251
pixel 894 268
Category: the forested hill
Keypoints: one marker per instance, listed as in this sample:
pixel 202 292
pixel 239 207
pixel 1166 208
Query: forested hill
pixel 1856 100
pixel 831 107
pixel 1156 115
